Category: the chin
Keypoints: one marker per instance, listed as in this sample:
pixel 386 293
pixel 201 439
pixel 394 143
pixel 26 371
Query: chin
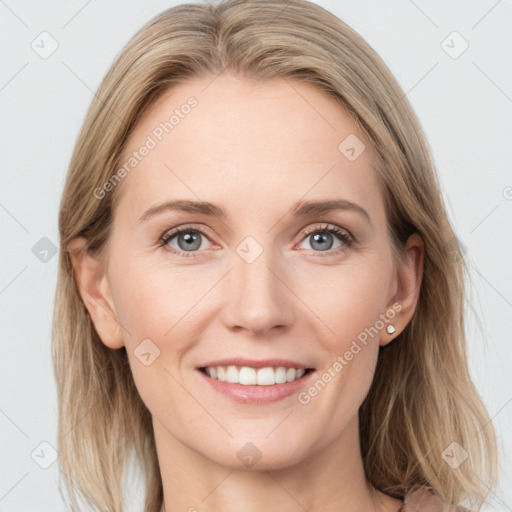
pixel 260 453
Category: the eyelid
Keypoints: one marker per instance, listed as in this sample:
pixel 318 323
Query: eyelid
pixel 185 227
pixel 327 227
pixel 169 234
pixel 343 234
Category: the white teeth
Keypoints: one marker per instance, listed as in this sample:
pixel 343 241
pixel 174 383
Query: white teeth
pixel 280 375
pixel 248 376
pixel 266 377
pixel 221 373
pixel 232 375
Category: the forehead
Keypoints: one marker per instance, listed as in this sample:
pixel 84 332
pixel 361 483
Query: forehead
pixel 247 144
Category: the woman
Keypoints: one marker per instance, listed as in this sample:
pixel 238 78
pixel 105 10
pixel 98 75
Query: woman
pixel 260 294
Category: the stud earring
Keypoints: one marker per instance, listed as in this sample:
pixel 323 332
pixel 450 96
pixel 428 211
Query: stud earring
pixel 390 329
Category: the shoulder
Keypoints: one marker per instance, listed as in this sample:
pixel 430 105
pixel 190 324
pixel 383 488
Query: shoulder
pixel 424 500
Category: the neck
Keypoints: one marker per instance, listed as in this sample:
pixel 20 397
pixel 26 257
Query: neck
pixel 331 479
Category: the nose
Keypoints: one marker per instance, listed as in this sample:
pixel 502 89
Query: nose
pixel 260 300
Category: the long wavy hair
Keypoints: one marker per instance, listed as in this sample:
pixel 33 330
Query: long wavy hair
pixel 422 397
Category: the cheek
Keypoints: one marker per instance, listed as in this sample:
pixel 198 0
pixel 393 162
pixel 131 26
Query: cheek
pixel 151 298
pixel 158 306
pixel 159 300
pixel 346 301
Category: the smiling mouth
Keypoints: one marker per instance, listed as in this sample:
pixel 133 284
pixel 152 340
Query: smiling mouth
pixel 247 376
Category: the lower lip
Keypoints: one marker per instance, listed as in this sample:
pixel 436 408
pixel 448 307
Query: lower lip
pixel 257 394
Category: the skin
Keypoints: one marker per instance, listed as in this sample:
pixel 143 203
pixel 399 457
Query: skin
pixel 254 149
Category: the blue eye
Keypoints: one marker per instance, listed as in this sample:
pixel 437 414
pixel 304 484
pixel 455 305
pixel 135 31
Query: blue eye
pixel 322 239
pixel 190 240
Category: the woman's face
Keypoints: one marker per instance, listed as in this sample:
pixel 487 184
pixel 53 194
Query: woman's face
pixel 272 278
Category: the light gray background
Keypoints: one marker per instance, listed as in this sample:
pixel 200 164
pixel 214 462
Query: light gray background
pixel 464 104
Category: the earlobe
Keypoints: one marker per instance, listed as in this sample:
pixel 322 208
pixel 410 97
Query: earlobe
pixel 408 285
pixel 94 289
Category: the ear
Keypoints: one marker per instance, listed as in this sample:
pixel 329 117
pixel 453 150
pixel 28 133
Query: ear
pixel 408 283
pixel 94 289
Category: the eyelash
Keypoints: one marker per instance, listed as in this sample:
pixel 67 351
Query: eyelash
pixel 342 234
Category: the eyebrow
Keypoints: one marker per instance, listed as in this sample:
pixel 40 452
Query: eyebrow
pixel 300 209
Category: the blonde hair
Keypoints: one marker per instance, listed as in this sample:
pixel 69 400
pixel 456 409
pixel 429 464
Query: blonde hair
pixel 422 398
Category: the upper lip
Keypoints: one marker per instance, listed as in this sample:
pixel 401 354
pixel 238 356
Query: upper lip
pixel 253 363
